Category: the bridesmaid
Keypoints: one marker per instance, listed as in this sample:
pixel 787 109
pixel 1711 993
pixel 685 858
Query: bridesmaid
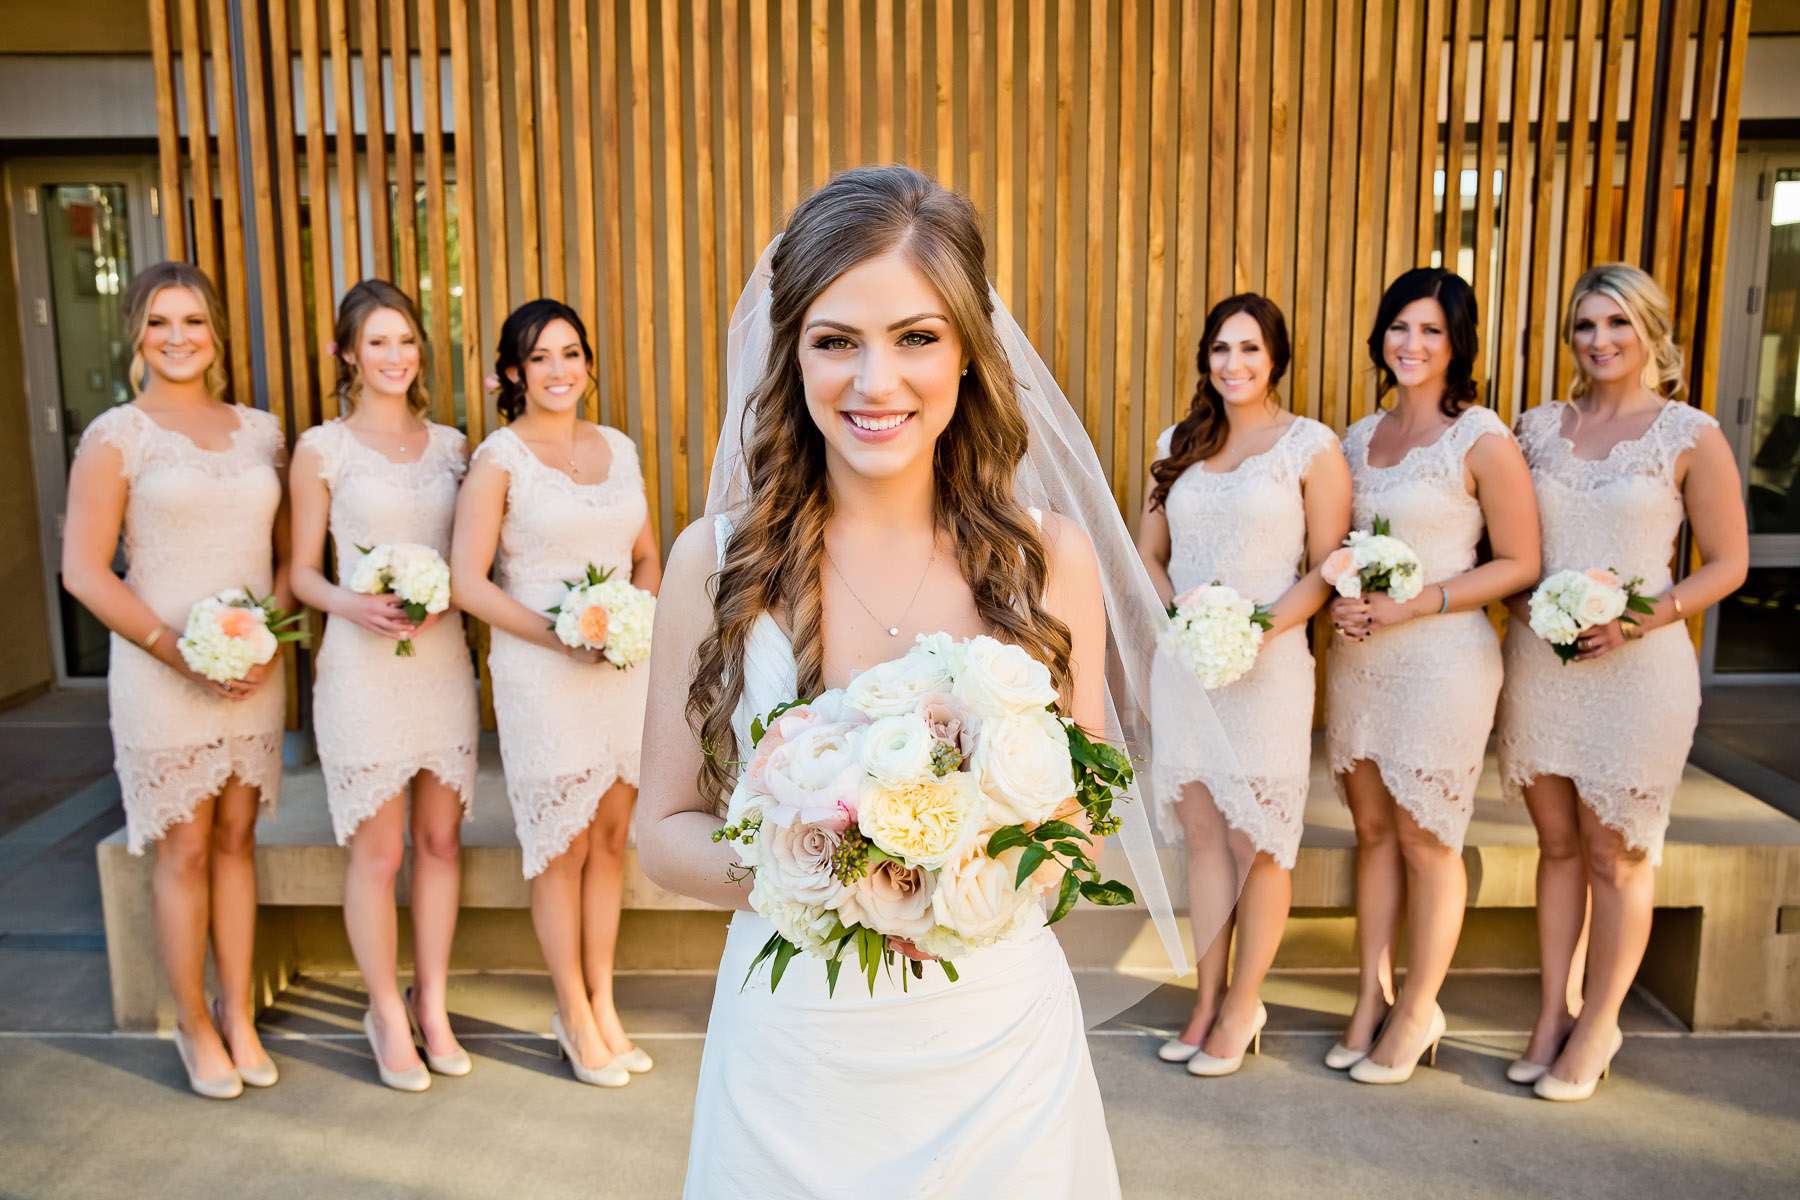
pixel 1596 747
pixel 1254 497
pixel 551 493
pixel 387 725
pixel 193 484
pixel 1411 687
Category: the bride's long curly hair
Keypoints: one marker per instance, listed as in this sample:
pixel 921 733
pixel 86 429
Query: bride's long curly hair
pixel 776 549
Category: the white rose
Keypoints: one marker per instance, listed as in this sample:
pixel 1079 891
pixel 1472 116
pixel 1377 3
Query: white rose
pixel 798 859
pixel 1599 605
pixel 897 750
pixel 1022 762
pixel 814 777
pixel 893 899
pixel 808 926
pixel 975 898
pixel 947 652
pixel 891 688
pixel 998 678
pixel 922 823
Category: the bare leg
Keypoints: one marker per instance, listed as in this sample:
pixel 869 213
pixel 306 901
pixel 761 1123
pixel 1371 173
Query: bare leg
pixel 1262 913
pixel 602 896
pixel 180 887
pixel 1561 910
pixel 556 916
pixel 1212 886
pixel 1437 888
pixel 1624 883
pixel 1380 891
pixel 436 897
pixel 234 915
pixel 376 850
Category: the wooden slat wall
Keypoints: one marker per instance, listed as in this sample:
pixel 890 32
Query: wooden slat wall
pixel 1134 161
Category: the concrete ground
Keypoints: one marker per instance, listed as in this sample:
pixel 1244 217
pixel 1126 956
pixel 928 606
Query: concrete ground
pixel 87 1112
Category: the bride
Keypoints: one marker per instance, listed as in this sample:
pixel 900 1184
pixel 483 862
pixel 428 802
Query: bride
pixel 875 496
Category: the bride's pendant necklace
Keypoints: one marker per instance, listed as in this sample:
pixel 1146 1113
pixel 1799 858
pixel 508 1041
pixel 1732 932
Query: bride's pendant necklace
pixel 892 631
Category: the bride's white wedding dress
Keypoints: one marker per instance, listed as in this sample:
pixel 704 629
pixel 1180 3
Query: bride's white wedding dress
pixel 981 1088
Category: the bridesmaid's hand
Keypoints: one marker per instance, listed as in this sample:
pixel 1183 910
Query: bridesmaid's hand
pixel 430 620
pixel 1601 640
pixel 243 689
pixel 1385 611
pixel 581 654
pixel 1351 617
pixel 385 616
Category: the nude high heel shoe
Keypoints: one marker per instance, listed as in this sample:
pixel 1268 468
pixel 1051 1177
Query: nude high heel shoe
pixel 1206 1066
pixel 1549 1087
pixel 1370 1071
pixel 612 1074
pixel 1341 1057
pixel 1177 1051
pixel 413 1079
pixel 263 1074
pixel 454 1064
pixel 636 1060
pixel 1525 1072
pixel 228 1088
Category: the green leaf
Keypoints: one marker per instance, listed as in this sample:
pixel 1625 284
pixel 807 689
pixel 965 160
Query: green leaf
pixel 768 948
pixel 415 612
pixel 1005 838
pixel 1109 894
pixel 832 967
pixel 1049 831
pixel 1065 898
pixel 1031 860
pixel 949 969
pixel 1639 604
pixel 1072 849
pixel 784 953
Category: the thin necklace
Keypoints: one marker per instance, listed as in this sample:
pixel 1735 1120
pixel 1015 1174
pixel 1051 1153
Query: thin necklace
pixel 893 631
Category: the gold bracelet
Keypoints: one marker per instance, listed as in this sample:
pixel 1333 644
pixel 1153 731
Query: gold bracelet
pixel 1676 601
pixel 150 639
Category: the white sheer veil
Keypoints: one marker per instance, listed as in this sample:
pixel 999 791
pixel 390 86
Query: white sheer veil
pixel 1118 956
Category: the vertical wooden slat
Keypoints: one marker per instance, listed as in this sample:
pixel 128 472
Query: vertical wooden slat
pixel 168 134
pixel 549 144
pixel 945 84
pixel 976 129
pixel 612 199
pixel 406 184
pixel 731 103
pixel 706 230
pixel 1664 227
pixel 643 211
pixel 525 141
pixel 1222 169
pixel 1688 296
pixel 1430 78
pixel 375 136
pixel 854 154
pixel 1575 167
pixel 1252 87
pixel 1006 247
pixel 293 289
pixel 790 105
pixel 1093 317
pixel 1542 285
pixel 498 258
pixel 674 208
pixel 1606 147
pixel 1314 147
pixel 343 144
pixel 1037 157
pixel 262 191
pixel 1487 160
pixel 581 146
pixel 1156 236
pixel 1063 209
pixel 1191 214
pixel 819 70
pixel 1125 285
pixel 761 223
pixel 235 285
pixel 318 200
pixel 1456 132
pixel 915 83
pixel 470 273
pixel 1705 388
pixel 884 81
pixel 1517 197
pixel 438 240
pixel 193 72
pixel 1367 285
pixel 1408 112
pixel 1339 277
pixel 1643 104
pixel 1280 217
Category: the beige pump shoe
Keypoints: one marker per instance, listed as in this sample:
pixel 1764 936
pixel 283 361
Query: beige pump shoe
pixel 1549 1087
pixel 612 1074
pixel 1208 1067
pixel 230 1087
pixel 454 1064
pixel 413 1079
pixel 263 1074
pixel 1370 1071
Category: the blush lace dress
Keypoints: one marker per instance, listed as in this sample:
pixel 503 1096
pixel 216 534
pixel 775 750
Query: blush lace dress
pixel 1417 699
pixel 380 719
pixel 568 730
pixel 196 522
pixel 1246 528
pixel 1621 725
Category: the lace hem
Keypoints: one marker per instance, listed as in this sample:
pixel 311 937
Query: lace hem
pixel 1441 800
pixel 1636 812
pixel 548 814
pixel 1269 812
pixel 356 793
pixel 163 787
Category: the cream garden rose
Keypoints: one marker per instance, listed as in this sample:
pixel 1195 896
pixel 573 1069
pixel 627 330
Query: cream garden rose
pixel 897 750
pixel 977 903
pixel 922 823
pixel 797 859
pixel 998 679
pixel 891 689
pixel 1023 765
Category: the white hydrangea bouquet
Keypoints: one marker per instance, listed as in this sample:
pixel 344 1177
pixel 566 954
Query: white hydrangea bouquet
pixel 417 574
pixel 605 613
pixel 231 632
pixel 1569 603
pixel 1216 633
pixel 1374 560
pixel 929 801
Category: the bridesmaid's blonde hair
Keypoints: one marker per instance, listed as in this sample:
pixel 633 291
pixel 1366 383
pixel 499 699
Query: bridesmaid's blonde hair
pixel 1647 307
pixel 142 292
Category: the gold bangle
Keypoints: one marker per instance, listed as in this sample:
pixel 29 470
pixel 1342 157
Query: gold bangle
pixel 150 639
pixel 1676 601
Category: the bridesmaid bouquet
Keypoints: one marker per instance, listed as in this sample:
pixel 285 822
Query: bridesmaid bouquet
pixel 1374 561
pixel 231 632
pixel 929 801
pixel 1569 603
pixel 1216 633
pixel 417 574
pixel 599 612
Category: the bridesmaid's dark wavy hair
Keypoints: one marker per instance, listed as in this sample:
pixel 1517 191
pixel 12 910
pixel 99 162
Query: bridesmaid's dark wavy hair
pixel 1457 298
pixel 1201 433
pixel 518 338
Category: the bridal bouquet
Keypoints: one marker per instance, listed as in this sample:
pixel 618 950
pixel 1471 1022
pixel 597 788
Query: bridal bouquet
pixel 229 633
pixel 417 574
pixel 1569 603
pixel 1216 633
pixel 928 801
pixel 600 612
pixel 1374 561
